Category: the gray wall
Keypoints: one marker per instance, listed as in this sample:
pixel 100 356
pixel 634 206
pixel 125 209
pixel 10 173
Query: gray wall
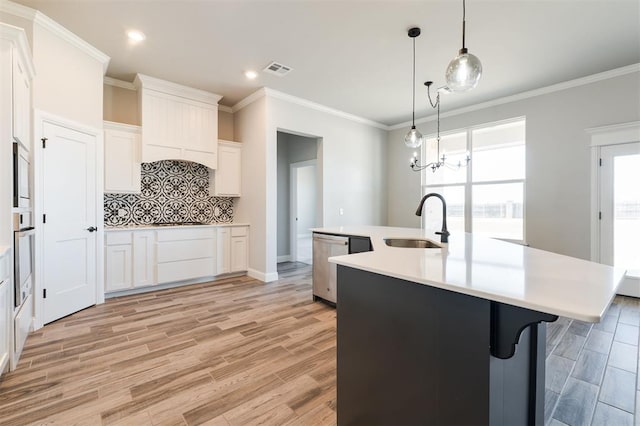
pixel 557 194
pixel 291 149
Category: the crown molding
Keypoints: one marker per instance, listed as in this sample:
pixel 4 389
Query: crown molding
pixel 112 125
pixel 55 28
pixel 52 26
pixel 109 81
pixel 249 99
pixel 152 83
pixel 18 36
pixel 225 108
pixel 322 108
pixel 18 10
pixel 265 91
pixel 617 72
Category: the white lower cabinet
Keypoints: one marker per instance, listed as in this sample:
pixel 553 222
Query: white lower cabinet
pixel 185 253
pixel 142 258
pixel 22 325
pixel 119 267
pixel 233 245
pixel 130 260
pixel 6 305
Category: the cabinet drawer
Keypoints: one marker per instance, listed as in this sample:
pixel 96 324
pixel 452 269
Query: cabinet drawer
pixel 239 231
pixel 185 270
pixel 195 233
pixel 172 251
pixel 118 238
pixel 22 324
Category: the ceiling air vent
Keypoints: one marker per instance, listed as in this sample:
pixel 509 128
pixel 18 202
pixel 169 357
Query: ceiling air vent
pixel 277 69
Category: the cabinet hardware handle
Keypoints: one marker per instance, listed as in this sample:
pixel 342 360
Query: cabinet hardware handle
pixel 92 229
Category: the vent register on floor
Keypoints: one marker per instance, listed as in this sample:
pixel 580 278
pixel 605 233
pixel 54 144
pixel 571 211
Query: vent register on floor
pixel 171 192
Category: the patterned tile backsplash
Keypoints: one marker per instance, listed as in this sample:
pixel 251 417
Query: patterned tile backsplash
pixel 172 191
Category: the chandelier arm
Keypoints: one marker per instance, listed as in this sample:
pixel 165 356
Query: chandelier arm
pixel 433 105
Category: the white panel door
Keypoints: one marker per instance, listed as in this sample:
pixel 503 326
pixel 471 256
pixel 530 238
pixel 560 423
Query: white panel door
pixel 620 212
pixel 69 203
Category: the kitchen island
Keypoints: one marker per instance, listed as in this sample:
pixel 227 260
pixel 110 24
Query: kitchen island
pixel 453 335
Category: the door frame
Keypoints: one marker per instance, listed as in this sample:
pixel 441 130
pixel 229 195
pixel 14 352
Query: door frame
pixel 616 134
pixel 601 136
pixel 41 117
pixel 293 204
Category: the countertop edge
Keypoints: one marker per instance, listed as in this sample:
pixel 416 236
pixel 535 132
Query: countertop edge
pixel 541 297
pixel 152 227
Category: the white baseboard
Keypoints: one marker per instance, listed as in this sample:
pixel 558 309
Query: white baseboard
pixel 264 277
pixel 284 258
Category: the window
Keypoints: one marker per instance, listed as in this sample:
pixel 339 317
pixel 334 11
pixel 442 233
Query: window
pixel 487 197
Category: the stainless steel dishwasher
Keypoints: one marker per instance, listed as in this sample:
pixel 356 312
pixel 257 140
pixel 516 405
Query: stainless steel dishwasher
pixel 324 273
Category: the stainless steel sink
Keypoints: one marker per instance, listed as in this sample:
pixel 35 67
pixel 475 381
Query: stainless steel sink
pixel 411 243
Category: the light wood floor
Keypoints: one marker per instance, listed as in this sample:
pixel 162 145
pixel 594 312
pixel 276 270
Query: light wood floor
pixel 233 352
pixel 240 352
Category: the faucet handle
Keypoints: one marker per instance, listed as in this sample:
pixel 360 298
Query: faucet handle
pixel 444 236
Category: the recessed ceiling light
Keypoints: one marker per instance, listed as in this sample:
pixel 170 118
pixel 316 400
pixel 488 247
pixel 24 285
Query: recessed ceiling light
pixel 136 36
pixel 250 74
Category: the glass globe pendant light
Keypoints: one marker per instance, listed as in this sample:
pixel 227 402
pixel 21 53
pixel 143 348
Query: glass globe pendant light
pixel 464 71
pixel 413 139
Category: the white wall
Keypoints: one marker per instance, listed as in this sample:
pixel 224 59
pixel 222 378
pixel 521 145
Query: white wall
pixel 250 124
pixel 68 82
pixel 558 158
pixel 351 163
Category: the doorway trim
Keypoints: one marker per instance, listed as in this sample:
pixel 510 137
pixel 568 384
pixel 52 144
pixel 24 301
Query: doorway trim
pixel 41 117
pixel 293 202
pixel 602 136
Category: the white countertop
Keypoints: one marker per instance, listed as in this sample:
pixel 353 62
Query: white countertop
pixel 490 269
pixel 148 227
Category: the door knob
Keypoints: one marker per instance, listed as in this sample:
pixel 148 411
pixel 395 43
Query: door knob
pixel 92 229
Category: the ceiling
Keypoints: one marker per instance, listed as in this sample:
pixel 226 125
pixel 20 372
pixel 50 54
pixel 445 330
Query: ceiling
pixel 355 56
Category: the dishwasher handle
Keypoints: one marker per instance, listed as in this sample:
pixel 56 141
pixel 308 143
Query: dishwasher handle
pixel 342 241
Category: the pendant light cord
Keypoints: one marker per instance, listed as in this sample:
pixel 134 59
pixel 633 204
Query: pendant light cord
pixel 464 12
pixel 413 83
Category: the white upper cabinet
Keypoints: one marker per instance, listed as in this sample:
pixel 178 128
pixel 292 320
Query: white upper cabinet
pixel 227 180
pixel 121 158
pixel 21 102
pixel 178 122
pixel 16 83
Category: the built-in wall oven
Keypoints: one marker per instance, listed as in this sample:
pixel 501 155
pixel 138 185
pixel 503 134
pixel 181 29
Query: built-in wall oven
pixel 23 252
pixel 21 177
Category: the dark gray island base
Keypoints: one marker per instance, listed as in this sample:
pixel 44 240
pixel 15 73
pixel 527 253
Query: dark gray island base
pixel 411 354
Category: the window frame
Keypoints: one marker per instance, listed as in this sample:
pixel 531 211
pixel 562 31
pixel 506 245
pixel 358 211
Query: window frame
pixel 468 183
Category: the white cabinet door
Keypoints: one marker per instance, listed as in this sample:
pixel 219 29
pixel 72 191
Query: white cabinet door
pixel 5 309
pixel 21 103
pixel 144 258
pixel 233 246
pixel 121 160
pixel 228 181
pixel 224 251
pixel 118 267
pixel 238 254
